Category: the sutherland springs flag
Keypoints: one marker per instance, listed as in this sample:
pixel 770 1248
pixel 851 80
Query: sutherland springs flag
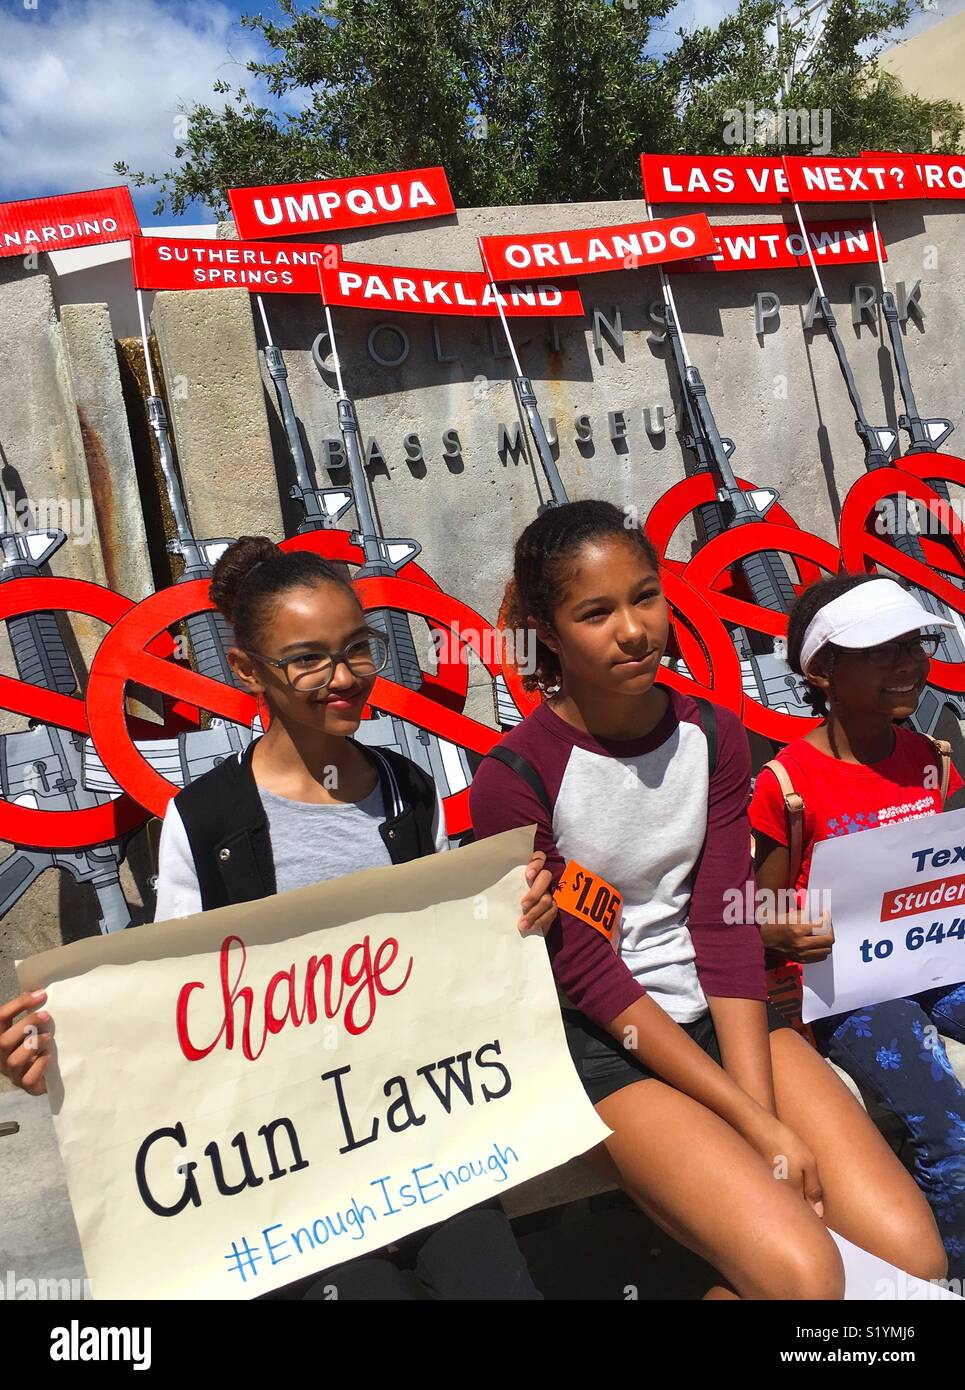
pixel 253 1094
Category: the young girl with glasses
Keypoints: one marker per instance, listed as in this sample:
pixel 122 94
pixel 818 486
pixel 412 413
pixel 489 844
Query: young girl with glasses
pixel 863 645
pixel 727 1129
pixel 307 802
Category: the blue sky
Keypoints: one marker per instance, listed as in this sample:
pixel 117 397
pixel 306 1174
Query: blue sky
pixel 86 82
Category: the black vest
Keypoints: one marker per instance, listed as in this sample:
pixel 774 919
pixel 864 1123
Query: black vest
pixel 227 828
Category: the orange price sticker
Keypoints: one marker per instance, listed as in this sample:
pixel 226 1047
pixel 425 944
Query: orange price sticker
pixel 592 899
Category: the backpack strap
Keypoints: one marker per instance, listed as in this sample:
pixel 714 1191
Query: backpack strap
pixel 708 723
pixel 523 769
pixel 794 813
pixel 944 750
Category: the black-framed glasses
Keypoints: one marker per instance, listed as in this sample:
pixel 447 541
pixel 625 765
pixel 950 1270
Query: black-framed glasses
pixel 365 657
pixel 925 644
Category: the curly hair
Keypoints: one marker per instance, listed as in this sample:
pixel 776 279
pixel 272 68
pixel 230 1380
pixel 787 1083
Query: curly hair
pixel 253 572
pixel 541 558
pixel 815 597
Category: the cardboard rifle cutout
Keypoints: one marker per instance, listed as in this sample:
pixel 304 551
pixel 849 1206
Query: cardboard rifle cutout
pixel 43 767
pixel 448 766
pixel 87 775
pixel 192 752
pixel 880 445
pixel 765 674
pixel 532 434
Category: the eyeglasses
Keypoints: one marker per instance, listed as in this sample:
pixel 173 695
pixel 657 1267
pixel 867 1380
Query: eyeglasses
pixel 314 670
pixel 925 644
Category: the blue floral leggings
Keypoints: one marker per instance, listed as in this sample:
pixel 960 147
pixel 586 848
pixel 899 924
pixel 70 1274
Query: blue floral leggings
pixel 894 1052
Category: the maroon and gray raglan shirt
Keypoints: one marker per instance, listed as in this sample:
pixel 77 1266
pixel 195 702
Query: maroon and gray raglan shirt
pixel 646 816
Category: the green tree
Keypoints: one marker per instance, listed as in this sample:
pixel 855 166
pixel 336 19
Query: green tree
pixel 741 60
pixel 528 101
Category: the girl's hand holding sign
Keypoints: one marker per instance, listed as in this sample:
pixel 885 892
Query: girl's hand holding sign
pixel 25 1045
pixel 799 938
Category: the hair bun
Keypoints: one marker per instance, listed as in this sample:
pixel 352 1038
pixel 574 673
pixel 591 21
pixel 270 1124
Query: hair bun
pixel 233 568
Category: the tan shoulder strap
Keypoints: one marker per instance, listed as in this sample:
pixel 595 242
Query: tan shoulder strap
pixel 794 813
pixel 944 750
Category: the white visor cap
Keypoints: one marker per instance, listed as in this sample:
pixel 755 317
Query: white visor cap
pixel 866 616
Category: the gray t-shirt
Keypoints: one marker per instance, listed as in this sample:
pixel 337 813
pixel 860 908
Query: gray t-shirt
pixel 311 843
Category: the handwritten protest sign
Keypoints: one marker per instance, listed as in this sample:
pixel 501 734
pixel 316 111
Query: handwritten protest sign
pixel 254 1094
pixel 897 902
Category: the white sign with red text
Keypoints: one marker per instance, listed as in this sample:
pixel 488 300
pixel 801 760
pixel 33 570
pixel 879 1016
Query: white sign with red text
pixel 896 895
pixel 251 1095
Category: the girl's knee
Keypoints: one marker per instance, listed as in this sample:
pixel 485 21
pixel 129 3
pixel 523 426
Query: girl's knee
pixel 912 1242
pixel 928 1260
pixel 808 1270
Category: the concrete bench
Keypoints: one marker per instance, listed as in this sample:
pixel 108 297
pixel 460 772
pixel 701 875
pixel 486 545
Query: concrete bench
pixel 588 1175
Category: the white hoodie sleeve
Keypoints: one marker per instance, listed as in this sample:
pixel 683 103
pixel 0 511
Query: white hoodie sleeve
pixel 439 836
pixel 178 892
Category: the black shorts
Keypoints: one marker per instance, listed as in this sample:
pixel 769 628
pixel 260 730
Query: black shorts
pixel 605 1066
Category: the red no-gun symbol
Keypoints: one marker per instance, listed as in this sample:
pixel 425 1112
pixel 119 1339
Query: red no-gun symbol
pixel 27 825
pixel 127 654
pixel 864 547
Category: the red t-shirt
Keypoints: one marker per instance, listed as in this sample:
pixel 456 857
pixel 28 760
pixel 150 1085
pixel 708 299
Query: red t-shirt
pixel 842 798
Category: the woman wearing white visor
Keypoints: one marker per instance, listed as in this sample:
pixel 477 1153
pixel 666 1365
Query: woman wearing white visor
pixel 863 645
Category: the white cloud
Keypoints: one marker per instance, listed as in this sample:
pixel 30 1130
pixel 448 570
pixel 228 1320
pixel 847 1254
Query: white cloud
pixel 90 81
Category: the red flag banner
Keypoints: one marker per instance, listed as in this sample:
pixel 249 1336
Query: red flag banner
pixel 780 246
pixel 851 180
pixel 404 289
pixel 69 219
pixel 627 247
pixel 197 263
pixel 332 204
pixel 684 178
pixel 941 175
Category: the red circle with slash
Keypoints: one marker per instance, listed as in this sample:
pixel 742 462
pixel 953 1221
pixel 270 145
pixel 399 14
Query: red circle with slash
pixel 720 555
pixel 863 550
pixel 125 655
pixel 450 684
pixel 29 826
pixel 678 504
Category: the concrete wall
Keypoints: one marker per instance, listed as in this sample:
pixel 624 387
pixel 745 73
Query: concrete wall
pixel 63 428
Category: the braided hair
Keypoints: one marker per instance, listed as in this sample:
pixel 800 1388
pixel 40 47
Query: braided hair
pixel 253 572
pixel 815 597
pixel 542 556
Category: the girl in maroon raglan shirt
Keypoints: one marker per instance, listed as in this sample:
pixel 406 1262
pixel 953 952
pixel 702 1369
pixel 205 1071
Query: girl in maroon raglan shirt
pixel 708 1095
